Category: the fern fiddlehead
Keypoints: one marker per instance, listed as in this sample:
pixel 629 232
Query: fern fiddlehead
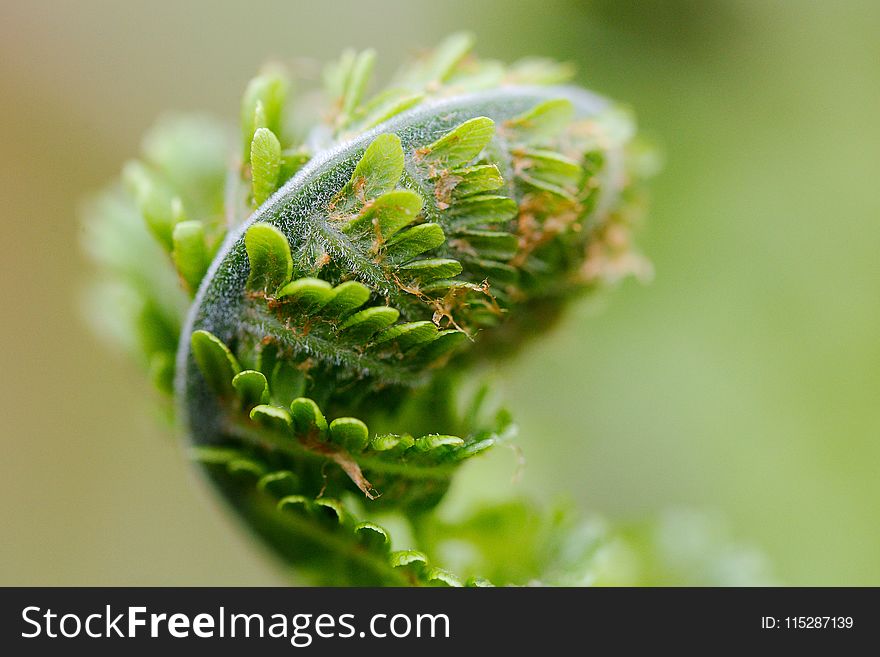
pixel 350 271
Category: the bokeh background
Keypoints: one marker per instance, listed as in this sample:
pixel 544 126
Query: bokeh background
pixel 743 380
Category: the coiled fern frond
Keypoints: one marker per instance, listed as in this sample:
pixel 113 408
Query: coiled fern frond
pixel 318 298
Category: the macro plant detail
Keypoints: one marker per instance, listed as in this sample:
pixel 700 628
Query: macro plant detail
pixel 319 298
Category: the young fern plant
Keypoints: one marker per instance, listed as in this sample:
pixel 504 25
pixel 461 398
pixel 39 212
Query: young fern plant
pixel 319 308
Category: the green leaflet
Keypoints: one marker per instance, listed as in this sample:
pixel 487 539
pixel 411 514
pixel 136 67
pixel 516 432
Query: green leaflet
pixel 476 180
pixel 441 578
pixel 154 199
pixel 377 172
pixel 392 444
pixel 307 292
pixel 288 382
pixel 408 335
pixel 417 568
pixel 440 64
pixel 477 75
pixel 262 106
pixel 336 73
pixel 156 331
pixel 429 270
pixel 539 70
pixel 271 264
pixel 292 160
pixel 384 106
pixel 415 241
pixel 331 510
pixel 437 441
pixel 448 54
pixel 541 123
pixel 252 388
pixel 191 153
pixel 161 368
pixel 245 468
pixel 489 244
pixel 271 418
pixel 358 77
pixel 387 214
pixel 347 297
pixel 366 323
pixel 481 211
pixel 404 558
pixel 280 483
pixel 500 272
pixel 550 171
pixel 265 164
pixel 350 432
pixel 347 79
pixel 373 537
pixel 307 418
pixel 445 343
pixel 461 145
pixel 216 362
pixel 190 252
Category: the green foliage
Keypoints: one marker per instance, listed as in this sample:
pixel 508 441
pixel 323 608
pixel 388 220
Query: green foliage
pixel 326 355
pixel 377 172
pixel 461 145
pixel 350 433
pixel 356 80
pixel 307 292
pixel 366 323
pixel 271 418
pixel 263 106
pixel 407 245
pixel 438 66
pixel 251 387
pixel 543 122
pixel 387 214
pixel 308 420
pixel 216 362
pixel 269 256
pixel 154 200
pixel 190 252
pixel 265 164
pixel 346 298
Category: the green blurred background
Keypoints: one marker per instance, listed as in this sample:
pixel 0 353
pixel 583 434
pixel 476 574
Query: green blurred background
pixel 744 380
